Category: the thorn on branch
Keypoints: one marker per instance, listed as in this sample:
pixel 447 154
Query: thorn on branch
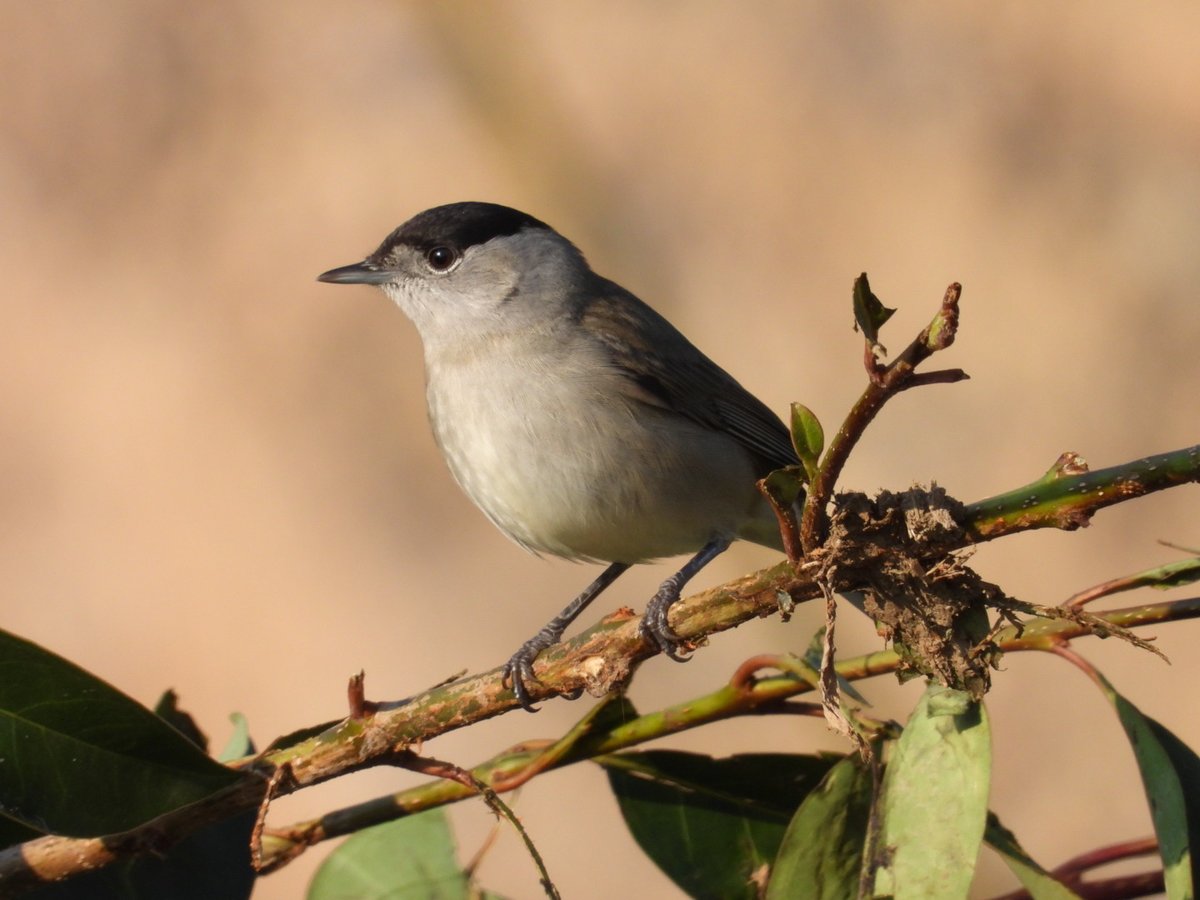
pixel 942 376
pixel 360 707
pixel 1067 464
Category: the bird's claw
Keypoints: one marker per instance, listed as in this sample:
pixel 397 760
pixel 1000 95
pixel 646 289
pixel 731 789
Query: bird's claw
pixel 656 627
pixel 518 671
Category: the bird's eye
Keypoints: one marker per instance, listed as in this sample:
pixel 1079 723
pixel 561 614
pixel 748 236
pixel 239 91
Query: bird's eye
pixel 441 258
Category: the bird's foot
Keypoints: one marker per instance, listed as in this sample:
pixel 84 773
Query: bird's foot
pixel 656 627
pixel 518 671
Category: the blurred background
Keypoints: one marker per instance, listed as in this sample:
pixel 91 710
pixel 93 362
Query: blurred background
pixel 216 474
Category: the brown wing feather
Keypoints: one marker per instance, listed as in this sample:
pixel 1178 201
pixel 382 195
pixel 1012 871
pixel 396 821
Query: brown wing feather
pixel 666 370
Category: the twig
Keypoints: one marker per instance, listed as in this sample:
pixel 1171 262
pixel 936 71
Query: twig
pixel 883 384
pixel 260 817
pixel 441 769
pixel 1183 571
pixel 1077 865
pixel 1071 873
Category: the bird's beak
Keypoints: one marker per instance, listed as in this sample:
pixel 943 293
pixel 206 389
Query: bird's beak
pixel 358 273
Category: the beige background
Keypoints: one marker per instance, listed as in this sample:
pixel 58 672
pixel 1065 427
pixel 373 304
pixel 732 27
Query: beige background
pixel 217 475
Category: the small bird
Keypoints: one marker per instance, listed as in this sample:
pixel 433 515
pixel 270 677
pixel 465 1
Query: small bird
pixel 579 420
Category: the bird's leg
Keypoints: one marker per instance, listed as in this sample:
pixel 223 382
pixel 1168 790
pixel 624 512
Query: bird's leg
pixel 519 669
pixel 654 623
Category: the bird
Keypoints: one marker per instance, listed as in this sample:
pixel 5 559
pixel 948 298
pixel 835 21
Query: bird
pixel 580 421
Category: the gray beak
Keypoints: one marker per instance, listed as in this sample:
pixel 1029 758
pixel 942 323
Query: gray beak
pixel 358 273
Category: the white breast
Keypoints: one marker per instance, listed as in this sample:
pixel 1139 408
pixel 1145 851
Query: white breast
pixel 563 463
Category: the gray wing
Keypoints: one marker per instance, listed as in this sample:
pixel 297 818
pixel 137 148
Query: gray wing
pixel 665 369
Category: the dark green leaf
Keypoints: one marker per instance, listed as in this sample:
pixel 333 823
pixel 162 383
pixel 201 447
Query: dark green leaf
pixel 821 854
pixel 407 859
pixel 1040 883
pixel 168 710
pixel 712 825
pixel 1171 777
pixel 14 832
pixel 214 862
pixel 934 804
pixel 869 312
pixel 81 758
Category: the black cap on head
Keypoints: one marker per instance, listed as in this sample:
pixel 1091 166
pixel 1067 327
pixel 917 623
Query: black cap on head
pixel 458 225
pixel 455 225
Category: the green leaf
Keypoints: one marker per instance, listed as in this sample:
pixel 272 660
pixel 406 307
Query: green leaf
pixel 821 854
pixel 1164 577
pixel 713 826
pixel 240 743
pixel 1040 883
pixel 81 758
pixel 934 804
pixel 1171 777
pixel 1183 571
pixel 212 862
pixel 786 484
pixel 808 437
pixel 411 858
pixel 869 312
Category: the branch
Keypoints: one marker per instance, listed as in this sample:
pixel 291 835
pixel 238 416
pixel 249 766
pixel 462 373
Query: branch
pixel 54 858
pixel 600 660
pixel 747 693
pixel 1068 495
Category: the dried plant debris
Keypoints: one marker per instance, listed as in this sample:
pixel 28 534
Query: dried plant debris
pixel 899 553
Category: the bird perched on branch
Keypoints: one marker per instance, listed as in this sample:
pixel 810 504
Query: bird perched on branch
pixel 578 419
